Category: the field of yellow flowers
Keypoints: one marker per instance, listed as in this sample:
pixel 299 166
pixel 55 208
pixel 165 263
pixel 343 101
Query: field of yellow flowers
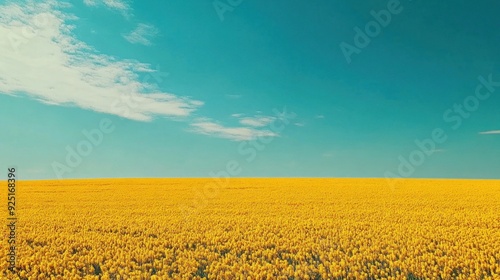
pixel 256 229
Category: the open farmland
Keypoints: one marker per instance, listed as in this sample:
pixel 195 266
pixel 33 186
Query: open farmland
pixel 257 229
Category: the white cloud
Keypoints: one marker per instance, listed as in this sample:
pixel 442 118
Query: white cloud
pixel 209 127
pixel 233 96
pixel 299 124
pixel 43 59
pixel 117 5
pixel 490 132
pixel 90 2
pixel 143 34
pixel 258 121
pixel 319 117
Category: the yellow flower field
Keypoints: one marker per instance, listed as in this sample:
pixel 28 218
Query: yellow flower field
pixel 256 229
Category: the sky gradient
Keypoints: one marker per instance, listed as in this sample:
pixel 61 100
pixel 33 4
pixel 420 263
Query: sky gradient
pixel 193 88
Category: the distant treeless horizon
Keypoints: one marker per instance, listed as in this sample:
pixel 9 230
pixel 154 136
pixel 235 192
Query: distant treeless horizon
pixel 378 89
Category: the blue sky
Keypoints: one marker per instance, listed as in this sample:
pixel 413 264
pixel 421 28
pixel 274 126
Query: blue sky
pixel 186 88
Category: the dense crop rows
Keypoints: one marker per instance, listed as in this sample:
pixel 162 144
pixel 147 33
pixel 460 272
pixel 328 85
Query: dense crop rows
pixel 257 229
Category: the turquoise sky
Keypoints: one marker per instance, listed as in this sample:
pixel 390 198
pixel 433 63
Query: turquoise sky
pixel 198 88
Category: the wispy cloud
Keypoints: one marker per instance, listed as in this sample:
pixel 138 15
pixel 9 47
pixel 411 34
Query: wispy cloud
pixel 212 128
pixel 53 66
pixel 490 132
pixel 143 34
pixel 319 116
pixel 299 124
pixel 90 2
pixel 257 121
pixel 116 5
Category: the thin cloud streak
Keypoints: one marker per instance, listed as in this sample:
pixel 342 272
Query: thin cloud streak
pixel 490 132
pixel 143 34
pixel 258 121
pixel 117 5
pixel 209 127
